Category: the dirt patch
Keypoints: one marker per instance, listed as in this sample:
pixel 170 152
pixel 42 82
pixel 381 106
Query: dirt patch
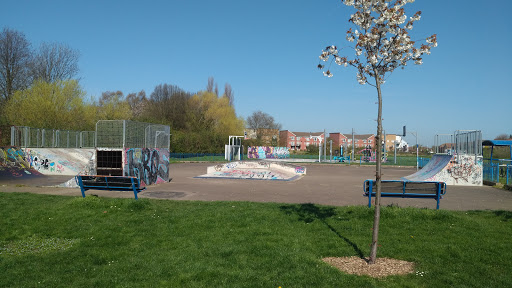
pixel 383 266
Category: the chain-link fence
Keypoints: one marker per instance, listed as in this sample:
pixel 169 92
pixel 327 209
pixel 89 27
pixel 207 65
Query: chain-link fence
pixel 461 142
pixel 126 133
pixel 24 136
pixel 108 134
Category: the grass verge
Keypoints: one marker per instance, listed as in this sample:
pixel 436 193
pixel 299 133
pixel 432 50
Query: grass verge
pixel 55 241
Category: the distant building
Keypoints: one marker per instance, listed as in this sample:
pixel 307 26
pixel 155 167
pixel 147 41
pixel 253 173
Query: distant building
pixel 360 141
pixel 446 148
pixel 392 140
pixel 300 140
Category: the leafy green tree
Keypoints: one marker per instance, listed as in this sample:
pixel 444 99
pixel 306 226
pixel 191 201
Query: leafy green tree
pixel 312 150
pixel 57 105
pixel 113 106
pixel 208 112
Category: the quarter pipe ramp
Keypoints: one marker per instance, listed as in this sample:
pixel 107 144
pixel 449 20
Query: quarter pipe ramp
pixel 464 170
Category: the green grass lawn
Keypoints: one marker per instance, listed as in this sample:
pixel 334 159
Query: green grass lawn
pixel 54 241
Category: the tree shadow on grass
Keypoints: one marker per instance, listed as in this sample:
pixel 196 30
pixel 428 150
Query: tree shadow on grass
pixel 505 215
pixel 309 212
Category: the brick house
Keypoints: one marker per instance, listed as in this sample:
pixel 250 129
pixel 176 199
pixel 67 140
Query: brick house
pixel 300 140
pixel 390 142
pixel 345 140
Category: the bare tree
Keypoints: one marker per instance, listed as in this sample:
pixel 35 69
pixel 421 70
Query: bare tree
pixel 503 137
pixel 54 61
pixel 138 103
pixel 260 119
pixel 211 83
pixel 14 62
pixel 377 55
pixel 170 103
pixel 228 92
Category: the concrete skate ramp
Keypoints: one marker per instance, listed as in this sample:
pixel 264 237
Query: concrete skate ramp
pixel 454 170
pixel 44 166
pixel 61 161
pixel 255 170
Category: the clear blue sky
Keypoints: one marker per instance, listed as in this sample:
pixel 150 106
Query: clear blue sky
pixel 268 50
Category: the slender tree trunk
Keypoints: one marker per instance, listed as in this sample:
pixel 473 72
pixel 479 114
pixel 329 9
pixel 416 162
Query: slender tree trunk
pixel 378 139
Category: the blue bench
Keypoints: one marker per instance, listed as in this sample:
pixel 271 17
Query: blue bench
pixel 405 189
pixel 111 183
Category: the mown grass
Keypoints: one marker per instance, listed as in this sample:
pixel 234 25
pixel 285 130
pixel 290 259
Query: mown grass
pixel 102 242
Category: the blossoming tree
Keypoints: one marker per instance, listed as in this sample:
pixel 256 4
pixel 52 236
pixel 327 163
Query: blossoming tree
pixel 382 44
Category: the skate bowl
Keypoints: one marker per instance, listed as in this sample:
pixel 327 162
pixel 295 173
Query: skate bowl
pixel 255 170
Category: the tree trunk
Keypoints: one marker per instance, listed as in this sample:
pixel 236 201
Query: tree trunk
pixel 378 139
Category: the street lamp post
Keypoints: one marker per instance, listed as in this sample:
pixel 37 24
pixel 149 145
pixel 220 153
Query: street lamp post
pixel 415 134
pixel 319 150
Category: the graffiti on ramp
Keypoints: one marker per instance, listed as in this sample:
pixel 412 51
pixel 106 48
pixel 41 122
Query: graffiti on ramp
pixel 464 170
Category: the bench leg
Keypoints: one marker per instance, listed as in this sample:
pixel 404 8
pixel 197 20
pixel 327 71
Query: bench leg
pixel 370 186
pixel 134 190
pixel 79 182
pixel 438 196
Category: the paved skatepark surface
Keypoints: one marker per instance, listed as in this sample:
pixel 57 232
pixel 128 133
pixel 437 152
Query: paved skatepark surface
pixel 337 185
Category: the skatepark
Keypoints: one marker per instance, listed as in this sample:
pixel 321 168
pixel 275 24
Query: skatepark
pixel 326 184
pixel 52 171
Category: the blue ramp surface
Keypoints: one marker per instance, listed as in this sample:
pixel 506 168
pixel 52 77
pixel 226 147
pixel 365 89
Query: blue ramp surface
pixel 433 167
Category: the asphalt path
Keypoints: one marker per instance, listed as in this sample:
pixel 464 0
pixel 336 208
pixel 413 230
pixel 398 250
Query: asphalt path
pixel 327 184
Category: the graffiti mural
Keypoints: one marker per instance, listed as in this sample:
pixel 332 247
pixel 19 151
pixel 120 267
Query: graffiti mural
pixel 454 170
pixel 250 174
pixel 462 170
pixel 13 156
pixel 265 152
pixel 260 170
pixel 150 165
pixel 60 161
pixel 13 164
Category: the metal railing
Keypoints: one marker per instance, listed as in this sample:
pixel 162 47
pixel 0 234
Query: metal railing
pixel 498 171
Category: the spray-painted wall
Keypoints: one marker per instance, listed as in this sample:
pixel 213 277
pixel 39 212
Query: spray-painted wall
pixel 13 163
pixel 462 170
pixel 150 165
pixel 265 152
pixel 61 161
pixel 12 156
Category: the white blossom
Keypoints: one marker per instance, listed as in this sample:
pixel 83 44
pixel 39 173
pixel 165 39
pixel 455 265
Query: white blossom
pixel 382 41
pixel 361 79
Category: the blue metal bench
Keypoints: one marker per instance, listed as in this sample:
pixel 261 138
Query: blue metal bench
pixel 405 189
pixel 111 183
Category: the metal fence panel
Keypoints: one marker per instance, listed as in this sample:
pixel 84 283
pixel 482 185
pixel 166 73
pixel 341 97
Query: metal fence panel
pixel 108 134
